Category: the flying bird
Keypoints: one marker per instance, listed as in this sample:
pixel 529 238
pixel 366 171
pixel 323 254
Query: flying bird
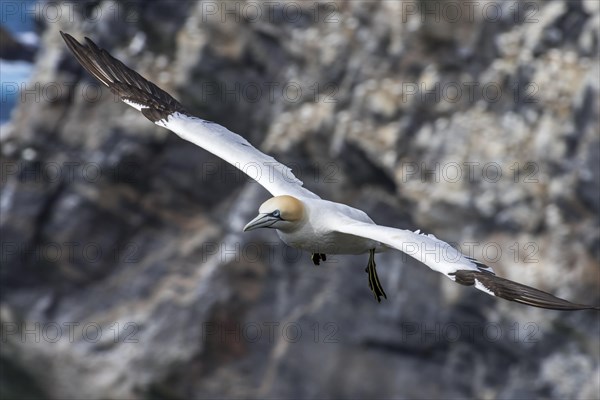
pixel 301 218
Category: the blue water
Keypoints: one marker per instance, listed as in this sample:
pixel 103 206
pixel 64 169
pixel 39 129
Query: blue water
pixel 15 74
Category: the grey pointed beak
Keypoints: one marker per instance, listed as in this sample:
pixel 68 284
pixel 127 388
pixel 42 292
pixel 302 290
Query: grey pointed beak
pixel 261 221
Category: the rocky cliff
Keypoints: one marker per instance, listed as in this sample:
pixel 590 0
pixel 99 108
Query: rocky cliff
pixel 124 270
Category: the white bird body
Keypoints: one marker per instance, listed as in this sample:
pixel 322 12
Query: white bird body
pixel 336 228
pixel 302 219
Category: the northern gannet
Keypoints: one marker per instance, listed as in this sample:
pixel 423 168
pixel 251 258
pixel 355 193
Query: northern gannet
pixel 301 218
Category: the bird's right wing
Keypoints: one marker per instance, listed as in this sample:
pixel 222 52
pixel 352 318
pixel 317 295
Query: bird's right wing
pixel 442 257
pixel 162 109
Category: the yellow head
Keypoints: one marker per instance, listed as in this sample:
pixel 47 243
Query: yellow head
pixel 280 212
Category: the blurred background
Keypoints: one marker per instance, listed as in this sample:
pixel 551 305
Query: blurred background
pixel 125 273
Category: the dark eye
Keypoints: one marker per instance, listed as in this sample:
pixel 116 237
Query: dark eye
pixel 276 214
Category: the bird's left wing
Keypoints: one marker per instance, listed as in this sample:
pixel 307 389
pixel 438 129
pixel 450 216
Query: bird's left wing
pixel 162 109
pixel 442 257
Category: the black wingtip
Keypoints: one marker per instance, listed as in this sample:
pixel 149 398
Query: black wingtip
pixel 517 292
pixel 66 37
pixel 90 42
pixel 130 86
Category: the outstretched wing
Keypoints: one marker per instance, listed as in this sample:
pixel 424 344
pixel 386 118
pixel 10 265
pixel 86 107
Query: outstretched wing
pixel 162 109
pixel 442 257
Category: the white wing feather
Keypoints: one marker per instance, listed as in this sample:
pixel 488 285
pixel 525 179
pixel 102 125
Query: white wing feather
pixel 277 178
pixel 431 251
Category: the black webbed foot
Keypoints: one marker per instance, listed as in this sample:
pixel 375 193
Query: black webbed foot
pixel 317 257
pixel 374 283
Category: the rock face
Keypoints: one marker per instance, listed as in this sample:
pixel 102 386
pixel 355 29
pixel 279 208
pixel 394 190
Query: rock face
pixel 124 270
